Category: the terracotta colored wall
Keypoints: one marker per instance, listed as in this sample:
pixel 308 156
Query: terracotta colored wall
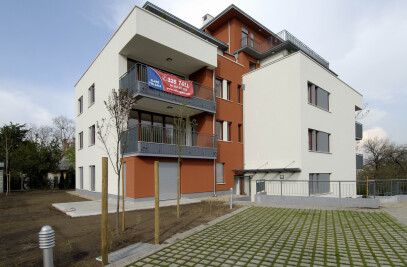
pixel 222 33
pixel 230 153
pixel 196 175
pixel 236 34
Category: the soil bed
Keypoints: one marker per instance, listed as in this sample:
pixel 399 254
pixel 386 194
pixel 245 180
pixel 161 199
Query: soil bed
pixel 22 214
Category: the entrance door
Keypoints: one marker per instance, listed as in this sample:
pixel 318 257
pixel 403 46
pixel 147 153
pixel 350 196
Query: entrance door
pixel 168 180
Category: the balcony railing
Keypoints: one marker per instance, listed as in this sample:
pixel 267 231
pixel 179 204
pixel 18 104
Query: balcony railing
pixel 359 161
pixel 358 131
pixel 147 140
pixel 136 79
pixel 286 36
pixel 272 42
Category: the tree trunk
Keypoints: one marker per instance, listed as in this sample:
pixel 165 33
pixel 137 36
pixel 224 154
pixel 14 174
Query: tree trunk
pixel 118 202
pixel 178 186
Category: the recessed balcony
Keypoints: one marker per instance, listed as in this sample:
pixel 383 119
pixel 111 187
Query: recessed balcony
pixel 135 79
pixel 358 131
pixel 157 141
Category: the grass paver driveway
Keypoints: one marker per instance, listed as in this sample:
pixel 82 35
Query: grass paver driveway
pixel 268 236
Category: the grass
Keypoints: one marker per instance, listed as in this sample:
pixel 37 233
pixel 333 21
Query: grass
pixel 291 237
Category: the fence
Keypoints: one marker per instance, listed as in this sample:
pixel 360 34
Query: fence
pixel 388 187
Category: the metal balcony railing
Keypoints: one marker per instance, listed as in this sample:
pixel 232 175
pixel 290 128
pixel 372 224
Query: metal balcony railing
pixel 286 36
pixel 358 131
pixel 359 161
pixel 135 79
pixel 147 140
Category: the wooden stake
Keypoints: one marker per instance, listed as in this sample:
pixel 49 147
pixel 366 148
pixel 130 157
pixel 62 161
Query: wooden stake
pixel 9 184
pixel 104 210
pixel 157 204
pixel 123 221
pixel 367 186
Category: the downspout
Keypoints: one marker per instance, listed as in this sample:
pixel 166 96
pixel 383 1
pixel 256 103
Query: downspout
pixel 214 137
pixel 229 35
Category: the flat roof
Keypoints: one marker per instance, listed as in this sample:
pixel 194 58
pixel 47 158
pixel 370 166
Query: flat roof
pixel 273 170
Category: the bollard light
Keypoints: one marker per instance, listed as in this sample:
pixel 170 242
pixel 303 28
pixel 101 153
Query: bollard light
pixel 47 242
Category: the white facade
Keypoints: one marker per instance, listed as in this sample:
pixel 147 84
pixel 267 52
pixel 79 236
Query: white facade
pixel 145 37
pixel 277 116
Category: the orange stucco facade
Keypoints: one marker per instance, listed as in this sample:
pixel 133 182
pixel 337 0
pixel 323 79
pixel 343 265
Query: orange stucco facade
pixel 199 175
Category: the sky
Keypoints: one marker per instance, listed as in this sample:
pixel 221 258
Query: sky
pixel 45 46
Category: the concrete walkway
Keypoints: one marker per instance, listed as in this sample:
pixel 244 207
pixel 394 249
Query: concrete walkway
pixel 88 208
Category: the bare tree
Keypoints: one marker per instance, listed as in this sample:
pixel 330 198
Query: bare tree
pixel 182 126
pixel 41 135
pixel 377 151
pixel 111 134
pixel 360 114
pixel 64 129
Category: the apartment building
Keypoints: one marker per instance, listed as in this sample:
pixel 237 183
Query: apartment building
pixel 264 104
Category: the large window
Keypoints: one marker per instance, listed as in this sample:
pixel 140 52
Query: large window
pixel 252 65
pixel 223 132
pixel 251 40
pixel 80 140
pixel 318 96
pixel 92 135
pixel 219 173
pixel 80 105
pixel 319 183
pixel 91 94
pixel 318 141
pixel 244 37
pixel 222 88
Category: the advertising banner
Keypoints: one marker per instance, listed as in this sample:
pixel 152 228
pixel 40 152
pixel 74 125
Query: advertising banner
pixel 169 83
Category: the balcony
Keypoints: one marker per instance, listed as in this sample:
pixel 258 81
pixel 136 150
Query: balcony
pixel 272 45
pixel 151 99
pixel 359 161
pixel 358 131
pixel 157 141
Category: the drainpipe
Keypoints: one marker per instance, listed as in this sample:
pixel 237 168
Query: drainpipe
pixel 214 137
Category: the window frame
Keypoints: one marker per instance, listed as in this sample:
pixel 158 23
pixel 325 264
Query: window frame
pixel 239 94
pixel 80 140
pixel 314 100
pixel 92 135
pixel 220 136
pixel 80 105
pixel 239 133
pixel 220 89
pixel 223 173
pixel 311 141
pixel 251 63
pixel 91 95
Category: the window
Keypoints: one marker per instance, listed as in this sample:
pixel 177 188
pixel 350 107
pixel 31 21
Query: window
pixel 228 132
pixel 219 130
pixel 91 93
pixel 218 87
pixel 239 133
pixel 239 94
pixel 319 183
pixel 228 91
pixel 80 105
pixel 223 132
pixel 92 177
pixel 80 140
pixel 80 177
pixel 318 141
pixel 251 40
pixel 318 96
pixel 92 135
pixel 252 65
pixel 244 37
pixel 219 173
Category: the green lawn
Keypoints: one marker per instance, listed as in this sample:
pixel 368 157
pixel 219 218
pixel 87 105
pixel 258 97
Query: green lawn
pixel 291 237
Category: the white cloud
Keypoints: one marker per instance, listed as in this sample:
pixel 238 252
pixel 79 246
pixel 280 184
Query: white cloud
pixel 373 133
pixel 23 102
pixel 17 107
pixel 374 117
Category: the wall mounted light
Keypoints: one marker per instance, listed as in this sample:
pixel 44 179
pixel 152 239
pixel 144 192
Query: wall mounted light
pixel 169 59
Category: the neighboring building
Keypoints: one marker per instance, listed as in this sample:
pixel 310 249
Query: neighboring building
pixel 264 103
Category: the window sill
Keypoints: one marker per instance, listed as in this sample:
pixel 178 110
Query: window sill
pixel 221 98
pixel 220 183
pixel 79 114
pixel 224 141
pixel 91 145
pixel 321 152
pixel 319 107
pixel 91 104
